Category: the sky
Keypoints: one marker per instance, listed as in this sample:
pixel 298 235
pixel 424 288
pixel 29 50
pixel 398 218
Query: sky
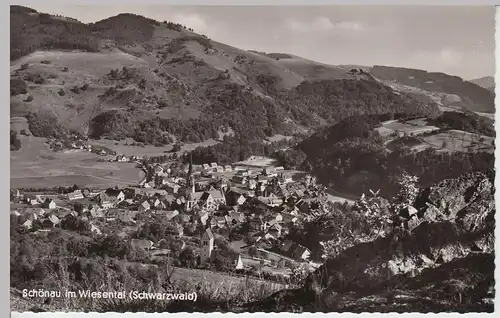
pixel 454 40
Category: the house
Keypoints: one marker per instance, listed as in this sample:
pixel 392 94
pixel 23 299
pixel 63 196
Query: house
pixel 218 197
pixel 219 169
pixel 234 197
pixel 169 199
pixel 275 230
pixel 175 229
pixel 28 215
pixel 221 221
pixel 94 229
pixel 240 179
pixel 14 194
pixel 184 218
pixel 408 212
pixel 144 206
pixel 130 193
pixel 115 194
pixel 262 179
pixel 269 171
pixel 303 206
pixel 51 221
pixel 104 200
pixel 31 200
pixel 213 222
pixel 126 216
pixel 122 158
pixel 286 246
pixel 162 205
pixel 211 200
pixel 75 195
pixel 155 202
pixel 256 224
pixel 279 168
pixel 28 224
pixel 206 166
pixel 202 216
pixel 193 199
pixel 289 218
pixel 252 184
pixel 207 245
pixel 171 187
pixel 228 168
pixel 271 201
pixel 221 184
pixel 285 178
pixel 169 215
pixel 158 168
pixel 237 217
pixel 141 244
pixel 161 254
pixel 301 253
pixel 269 237
pixel 49 204
pixel 38 211
pixel 213 165
pixel 111 215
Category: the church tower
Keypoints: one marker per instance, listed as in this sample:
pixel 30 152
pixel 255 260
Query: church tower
pixel 207 245
pixel 190 186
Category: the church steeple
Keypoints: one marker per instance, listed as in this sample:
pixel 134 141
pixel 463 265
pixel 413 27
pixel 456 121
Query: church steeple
pixel 189 180
pixel 190 170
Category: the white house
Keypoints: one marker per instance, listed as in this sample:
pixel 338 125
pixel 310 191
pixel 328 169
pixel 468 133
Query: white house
pixel 49 204
pixel 301 252
pixel 144 206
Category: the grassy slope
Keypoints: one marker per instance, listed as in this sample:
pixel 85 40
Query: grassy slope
pixel 179 66
pixel 453 90
pixel 487 82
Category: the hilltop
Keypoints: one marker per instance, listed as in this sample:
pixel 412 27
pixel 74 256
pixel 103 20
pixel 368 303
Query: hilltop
pixel 452 91
pixel 157 82
pixel 487 82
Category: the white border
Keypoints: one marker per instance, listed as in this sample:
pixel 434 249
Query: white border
pixel 6 167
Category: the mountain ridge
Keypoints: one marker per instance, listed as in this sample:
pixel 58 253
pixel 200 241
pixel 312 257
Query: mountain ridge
pixel 165 72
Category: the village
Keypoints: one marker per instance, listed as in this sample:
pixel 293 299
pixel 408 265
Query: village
pixel 251 208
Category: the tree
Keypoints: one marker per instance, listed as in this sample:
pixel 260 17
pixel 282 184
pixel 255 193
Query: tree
pixel 177 147
pixel 408 191
pixel 15 143
pixel 252 251
pixel 142 83
pixel 188 258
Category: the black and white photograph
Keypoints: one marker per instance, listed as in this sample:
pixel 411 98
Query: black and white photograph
pixel 250 159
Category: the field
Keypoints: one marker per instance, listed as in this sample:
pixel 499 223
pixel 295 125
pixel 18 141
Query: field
pixel 415 127
pixel 36 166
pixel 259 162
pixel 277 137
pixel 124 147
pixel 232 282
pixel 451 140
pixel 457 140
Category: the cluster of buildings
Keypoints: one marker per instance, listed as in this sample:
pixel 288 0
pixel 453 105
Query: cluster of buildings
pixel 266 202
